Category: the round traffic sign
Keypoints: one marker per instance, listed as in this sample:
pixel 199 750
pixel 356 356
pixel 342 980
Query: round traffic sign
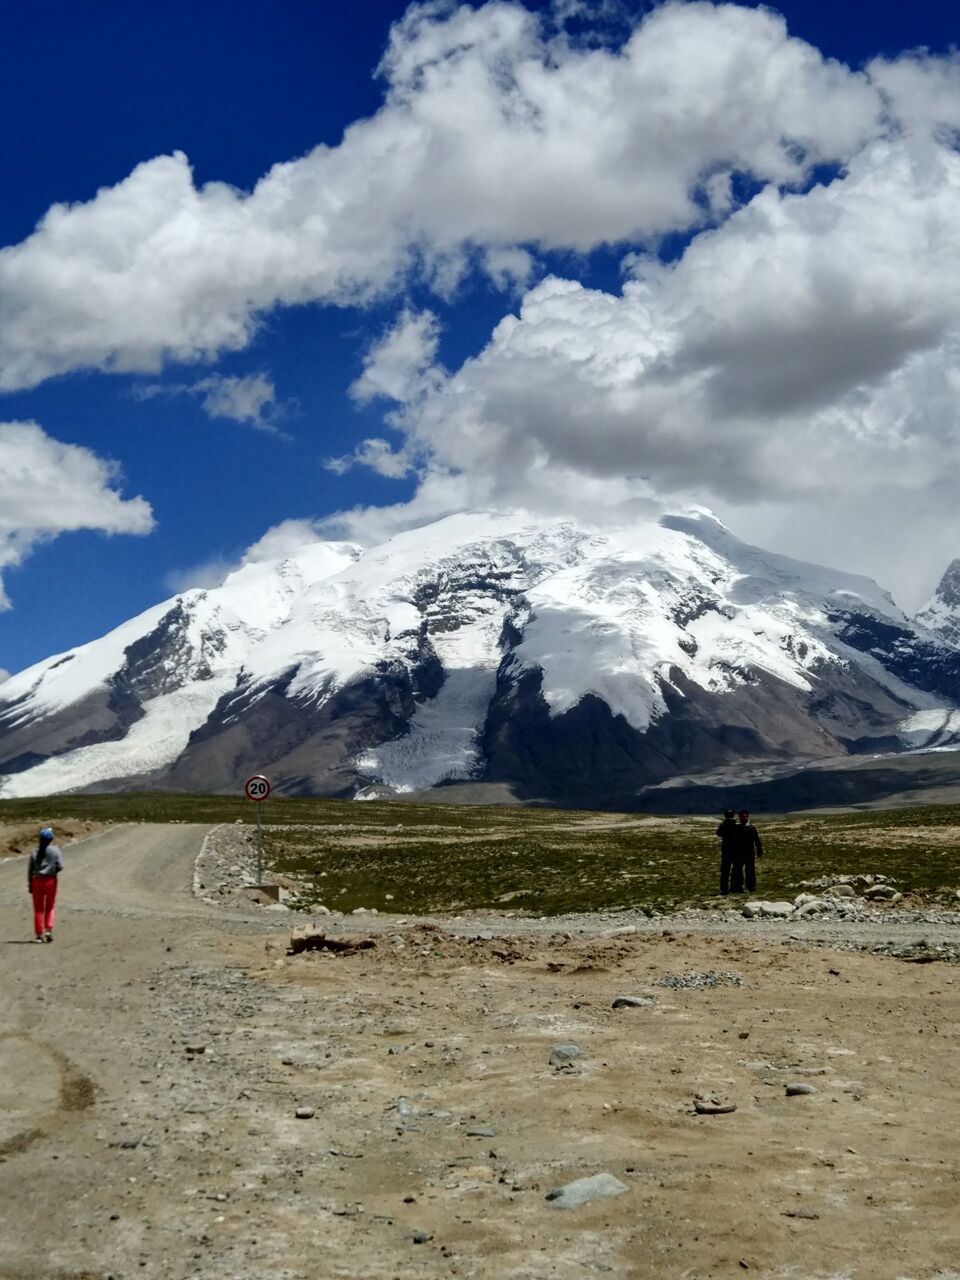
pixel 257 788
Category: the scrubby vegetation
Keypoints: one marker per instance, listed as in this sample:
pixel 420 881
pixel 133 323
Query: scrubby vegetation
pixel 416 858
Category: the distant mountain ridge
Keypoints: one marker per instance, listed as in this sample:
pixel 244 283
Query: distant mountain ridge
pixel 571 664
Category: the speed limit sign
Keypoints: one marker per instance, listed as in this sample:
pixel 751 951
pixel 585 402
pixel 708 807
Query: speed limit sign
pixel 257 788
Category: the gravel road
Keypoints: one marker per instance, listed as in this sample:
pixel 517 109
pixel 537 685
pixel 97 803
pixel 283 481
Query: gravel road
pixel 154 1059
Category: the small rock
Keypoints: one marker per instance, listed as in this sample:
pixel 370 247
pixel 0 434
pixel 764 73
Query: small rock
pixel 843 891
pixel 421 1237
pixel 564 1055
pixel 797 1088
pixel 712 1105
pixel 305 1113
pixel 196 1048
pixel 881 893
pixel 481 1133
pixel 817 907
pixel 751 910
pixel 776 910
pixel 632 1002
pixel 585 1190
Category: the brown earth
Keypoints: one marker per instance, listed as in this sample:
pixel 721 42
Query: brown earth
pixel 153 1060
pixel 21 837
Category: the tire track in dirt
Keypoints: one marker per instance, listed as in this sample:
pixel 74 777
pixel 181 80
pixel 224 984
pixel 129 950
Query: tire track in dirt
pixel 77 1093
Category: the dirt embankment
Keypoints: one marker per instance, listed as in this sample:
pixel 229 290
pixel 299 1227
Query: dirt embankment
pixel 21 837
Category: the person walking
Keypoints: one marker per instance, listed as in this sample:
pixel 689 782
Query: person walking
pixel 46 863
pixel 726 834
pixel 747 847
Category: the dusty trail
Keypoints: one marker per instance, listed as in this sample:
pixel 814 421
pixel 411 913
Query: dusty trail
pixel 439 1124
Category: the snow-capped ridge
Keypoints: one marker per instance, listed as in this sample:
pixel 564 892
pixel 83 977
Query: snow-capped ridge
pixel 941 614
pixel 472 645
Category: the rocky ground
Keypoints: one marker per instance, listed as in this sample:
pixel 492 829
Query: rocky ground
pixel 492 1096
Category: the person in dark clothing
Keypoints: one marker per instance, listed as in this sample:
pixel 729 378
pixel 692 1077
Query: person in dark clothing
pixel 747 846
pixel 46 863
pixel 726 833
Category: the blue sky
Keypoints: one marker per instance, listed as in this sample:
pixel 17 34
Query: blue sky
pixel 92 92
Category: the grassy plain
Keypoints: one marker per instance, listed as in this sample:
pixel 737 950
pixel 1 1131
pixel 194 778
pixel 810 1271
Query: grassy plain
pixel 428 858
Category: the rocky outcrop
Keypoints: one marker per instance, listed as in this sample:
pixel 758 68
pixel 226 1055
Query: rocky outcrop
pixel 942 614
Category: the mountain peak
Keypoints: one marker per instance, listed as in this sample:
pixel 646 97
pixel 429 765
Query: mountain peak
pixel 942 614
pixel 949 589
pixel 571 662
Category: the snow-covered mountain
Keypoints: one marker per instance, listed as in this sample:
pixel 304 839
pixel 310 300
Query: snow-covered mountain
pixel 942 613
pixel 571 663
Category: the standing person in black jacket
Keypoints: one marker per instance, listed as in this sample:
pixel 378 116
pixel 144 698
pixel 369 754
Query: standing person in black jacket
pixel 746 846
pixel 727 835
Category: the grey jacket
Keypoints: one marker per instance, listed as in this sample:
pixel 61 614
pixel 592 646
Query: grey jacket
pixel 46 860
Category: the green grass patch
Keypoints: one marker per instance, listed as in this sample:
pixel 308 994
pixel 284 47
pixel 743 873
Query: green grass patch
pixel 549 862
pixel 542 861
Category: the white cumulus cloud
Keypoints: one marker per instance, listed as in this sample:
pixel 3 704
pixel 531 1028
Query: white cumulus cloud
pixel 805 353
pixel 48 488
pixel 251 399
pixel 497 135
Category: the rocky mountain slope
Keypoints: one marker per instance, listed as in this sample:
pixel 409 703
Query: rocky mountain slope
pixel 942 614
pixel 570 664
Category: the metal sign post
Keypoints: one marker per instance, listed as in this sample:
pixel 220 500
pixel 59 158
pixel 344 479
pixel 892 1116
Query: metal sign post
pixel 259 847
pixel 257 789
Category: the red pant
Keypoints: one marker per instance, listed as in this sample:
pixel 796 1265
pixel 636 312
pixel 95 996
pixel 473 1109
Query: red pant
pixel 44 890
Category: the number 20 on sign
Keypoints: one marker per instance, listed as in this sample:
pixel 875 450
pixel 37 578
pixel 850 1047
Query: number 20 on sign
pixel 257 788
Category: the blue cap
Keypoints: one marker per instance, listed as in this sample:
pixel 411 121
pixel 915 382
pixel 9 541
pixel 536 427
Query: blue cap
pixel 46 833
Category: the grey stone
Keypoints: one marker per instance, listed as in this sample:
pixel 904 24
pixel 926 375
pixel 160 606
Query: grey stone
pixel 632 1002
pixel 712 1105
pixel 796 1088
pixel 815 908
pixel 481 1133
pixel 585 1190
pixel 564 1055
pixel 843 891
pixel 305 1113
pixel 880 892
pixel 776 910
pixel 751 910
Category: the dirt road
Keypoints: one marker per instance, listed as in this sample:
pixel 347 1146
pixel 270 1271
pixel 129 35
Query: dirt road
pixel 152 1062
